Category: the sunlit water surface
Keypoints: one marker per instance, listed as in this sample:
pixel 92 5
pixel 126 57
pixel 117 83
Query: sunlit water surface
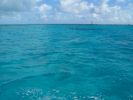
pixel 66 62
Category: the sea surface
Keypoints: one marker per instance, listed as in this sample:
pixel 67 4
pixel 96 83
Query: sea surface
pixel 66 62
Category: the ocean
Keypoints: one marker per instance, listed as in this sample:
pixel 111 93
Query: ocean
pixel 66 62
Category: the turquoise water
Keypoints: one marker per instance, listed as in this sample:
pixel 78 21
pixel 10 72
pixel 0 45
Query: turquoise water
pixel 66 62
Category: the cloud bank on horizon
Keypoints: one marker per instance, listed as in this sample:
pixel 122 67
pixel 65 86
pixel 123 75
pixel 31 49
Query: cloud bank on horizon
pixel 66 11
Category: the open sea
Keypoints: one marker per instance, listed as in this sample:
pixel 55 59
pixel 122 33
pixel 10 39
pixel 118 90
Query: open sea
pixel 66 62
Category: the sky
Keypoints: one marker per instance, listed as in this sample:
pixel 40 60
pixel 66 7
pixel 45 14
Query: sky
pixel 66 11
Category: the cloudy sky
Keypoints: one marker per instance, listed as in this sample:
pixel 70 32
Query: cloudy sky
pixel 66 11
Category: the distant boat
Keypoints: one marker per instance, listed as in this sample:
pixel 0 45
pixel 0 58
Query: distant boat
pixel 129 24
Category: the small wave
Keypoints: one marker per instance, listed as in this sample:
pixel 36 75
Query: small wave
pixel 53 94
pixel 30 93
pixel 61 75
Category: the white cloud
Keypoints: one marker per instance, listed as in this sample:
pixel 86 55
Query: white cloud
pixel 112 14
pixel 23 10
pixel 74 6
pixel 121 1
pixel 66 11
pixel 44 8
pixel 16 5
pixel 87 12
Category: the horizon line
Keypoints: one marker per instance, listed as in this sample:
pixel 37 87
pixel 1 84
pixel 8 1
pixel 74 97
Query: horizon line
pixel 61 24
